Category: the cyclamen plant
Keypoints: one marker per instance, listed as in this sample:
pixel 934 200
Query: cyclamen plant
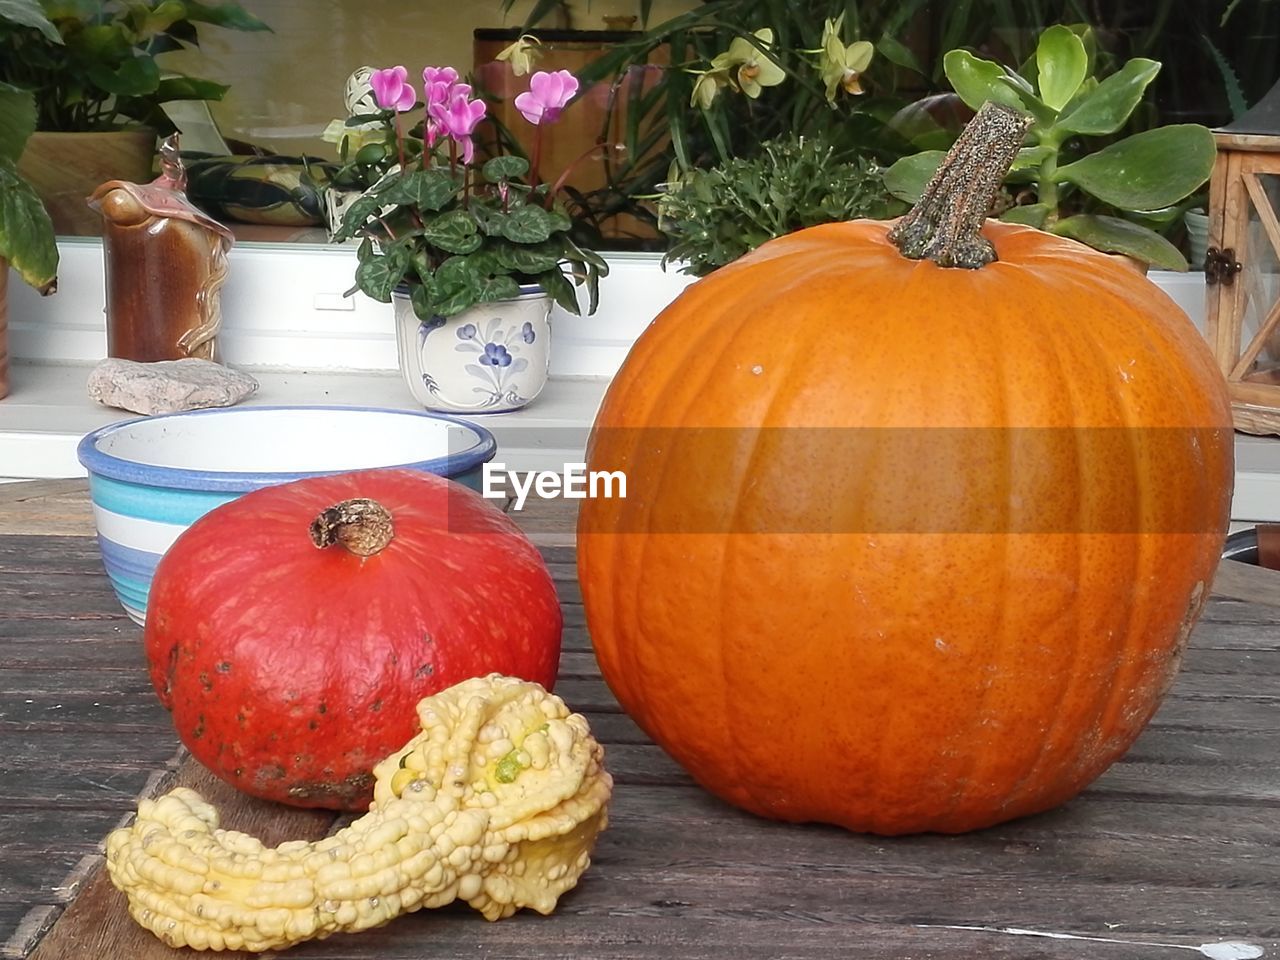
pixel 454 235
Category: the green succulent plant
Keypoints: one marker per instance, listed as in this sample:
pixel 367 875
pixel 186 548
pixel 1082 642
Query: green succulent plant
pixel 1113 197
pixel 712 217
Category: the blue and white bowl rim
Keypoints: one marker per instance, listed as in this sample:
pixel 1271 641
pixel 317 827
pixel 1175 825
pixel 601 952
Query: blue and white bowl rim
pixel 104 464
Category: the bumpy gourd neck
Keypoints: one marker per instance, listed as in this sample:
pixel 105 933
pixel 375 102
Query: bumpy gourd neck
pixel 361 526
pixel 945 225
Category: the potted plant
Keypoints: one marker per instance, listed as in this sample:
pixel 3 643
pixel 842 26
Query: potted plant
pixel 94 69
pixel 712 217
pixel 473 256
pixel 1115 197
pixel 26 234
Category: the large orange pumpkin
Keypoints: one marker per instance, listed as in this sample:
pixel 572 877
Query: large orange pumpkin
pixel 906 547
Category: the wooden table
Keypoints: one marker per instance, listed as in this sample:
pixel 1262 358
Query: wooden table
pixel 1178 845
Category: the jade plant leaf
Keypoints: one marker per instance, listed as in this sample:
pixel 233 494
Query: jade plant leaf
pixel 1030 158
pixel 1029 214
pixel 1114 235
pixel 1061 66
pixel 26 234
pixel 976 81
pixel 1108 106
pixel 907 177
pixel 1147 171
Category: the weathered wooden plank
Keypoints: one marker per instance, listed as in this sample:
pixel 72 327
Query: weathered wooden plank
pixel 99 788
pixel 52 588
pixel 645 840
pixel 57 631
pixel 28 490
pixel 1242 635
pixel 97 923
pixel 74 652
pixel 1092 817
pixel 38 829
pixel 51 553
pixel 1248 582
pixel 104 711
pixel 33 877
pixel 35 748
pixel 46 507
pixel 1230 714
pixel 562 555
pixel 122 681
pixel 1230 610
pixel 21 927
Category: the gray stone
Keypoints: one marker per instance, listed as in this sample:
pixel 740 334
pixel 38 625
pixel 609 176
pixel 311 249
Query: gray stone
pixel 168 386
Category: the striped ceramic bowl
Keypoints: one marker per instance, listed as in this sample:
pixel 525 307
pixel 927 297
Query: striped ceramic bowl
pixel 151 477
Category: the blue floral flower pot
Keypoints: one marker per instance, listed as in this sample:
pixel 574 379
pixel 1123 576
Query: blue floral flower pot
pixel 492 358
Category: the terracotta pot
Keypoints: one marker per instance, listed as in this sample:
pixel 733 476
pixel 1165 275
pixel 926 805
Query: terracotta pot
pixel 65 168
pixel 4 328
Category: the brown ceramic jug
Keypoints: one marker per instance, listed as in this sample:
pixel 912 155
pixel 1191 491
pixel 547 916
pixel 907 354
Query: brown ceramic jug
pixel 166 261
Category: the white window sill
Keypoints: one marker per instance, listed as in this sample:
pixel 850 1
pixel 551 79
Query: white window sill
pixel 48 411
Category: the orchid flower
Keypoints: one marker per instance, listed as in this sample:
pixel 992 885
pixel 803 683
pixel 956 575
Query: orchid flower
pixel 744 66
pixel 706 89
pixel 547 95
pixel 392 90
pixel 840 65
pixel 459 117
pixel 521 55
pixel 749 65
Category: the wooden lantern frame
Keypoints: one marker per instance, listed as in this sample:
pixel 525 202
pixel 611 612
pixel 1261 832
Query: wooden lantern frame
pixel 1246 153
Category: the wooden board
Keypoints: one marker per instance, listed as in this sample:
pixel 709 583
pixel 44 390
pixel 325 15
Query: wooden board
pixel 1178 844
pixel 46 507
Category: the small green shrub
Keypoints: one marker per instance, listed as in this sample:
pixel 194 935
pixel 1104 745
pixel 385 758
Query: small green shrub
pixel 714 216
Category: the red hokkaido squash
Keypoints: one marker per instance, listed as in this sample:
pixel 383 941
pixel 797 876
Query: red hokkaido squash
pixel 907 547
pixel 293 631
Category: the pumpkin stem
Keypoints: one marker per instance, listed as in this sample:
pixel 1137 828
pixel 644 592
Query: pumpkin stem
pixel 945 226
pixel 362 526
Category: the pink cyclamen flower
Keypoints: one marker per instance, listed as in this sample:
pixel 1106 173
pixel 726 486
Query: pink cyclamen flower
pixel 440 86
pixel 458 118
pixel 547 95
pixel 392 90
pixel 446 76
